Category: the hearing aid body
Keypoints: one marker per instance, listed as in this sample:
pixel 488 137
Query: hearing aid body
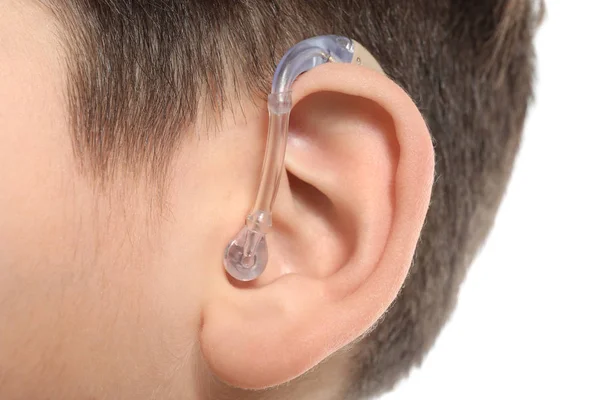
pixel 246 255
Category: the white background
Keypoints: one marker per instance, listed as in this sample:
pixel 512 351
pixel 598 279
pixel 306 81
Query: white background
pixel 527 324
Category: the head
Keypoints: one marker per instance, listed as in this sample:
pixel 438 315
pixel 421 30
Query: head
pixel 131 141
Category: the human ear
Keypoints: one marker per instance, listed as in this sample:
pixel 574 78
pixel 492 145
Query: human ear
pixel 346 222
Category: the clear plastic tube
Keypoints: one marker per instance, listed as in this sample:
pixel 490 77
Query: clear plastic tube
pixel 246 255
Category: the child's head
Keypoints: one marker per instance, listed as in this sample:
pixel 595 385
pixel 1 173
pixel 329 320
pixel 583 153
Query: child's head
pixel 131 141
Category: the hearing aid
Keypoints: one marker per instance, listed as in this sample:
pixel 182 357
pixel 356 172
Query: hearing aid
pixel 246 255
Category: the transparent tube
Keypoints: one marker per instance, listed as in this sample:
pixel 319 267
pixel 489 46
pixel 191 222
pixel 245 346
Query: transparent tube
pixel 280 105
pixel 246 255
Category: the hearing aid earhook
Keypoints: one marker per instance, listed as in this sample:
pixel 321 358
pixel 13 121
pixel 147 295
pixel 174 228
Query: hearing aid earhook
pixel 246 255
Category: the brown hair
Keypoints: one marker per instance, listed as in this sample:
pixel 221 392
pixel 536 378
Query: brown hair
pixel 139 70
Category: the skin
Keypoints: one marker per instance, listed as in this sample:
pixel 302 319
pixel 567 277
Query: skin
pixel 105 294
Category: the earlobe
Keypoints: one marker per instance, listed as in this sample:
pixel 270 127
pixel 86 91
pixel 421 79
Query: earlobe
pixel 346 221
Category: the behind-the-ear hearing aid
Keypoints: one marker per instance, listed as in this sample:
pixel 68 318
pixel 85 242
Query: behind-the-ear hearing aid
pixel 246 255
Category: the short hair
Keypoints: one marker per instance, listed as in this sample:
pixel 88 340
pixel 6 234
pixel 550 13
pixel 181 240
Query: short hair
pixel 139 71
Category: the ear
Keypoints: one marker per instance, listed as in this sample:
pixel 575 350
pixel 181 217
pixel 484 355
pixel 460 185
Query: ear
pixel 346 223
